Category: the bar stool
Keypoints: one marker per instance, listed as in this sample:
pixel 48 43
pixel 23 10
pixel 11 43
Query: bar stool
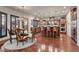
pixel 51 31
pixel 58 31
pixel 48 31
pixel 44 31
pixel 55 31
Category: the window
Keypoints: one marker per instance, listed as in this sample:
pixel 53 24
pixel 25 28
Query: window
pixel 3 24
pixel 14 23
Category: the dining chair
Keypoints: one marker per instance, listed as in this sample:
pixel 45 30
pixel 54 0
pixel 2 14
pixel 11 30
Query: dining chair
pixel 21 37
pixel 10 35
pixel 55 31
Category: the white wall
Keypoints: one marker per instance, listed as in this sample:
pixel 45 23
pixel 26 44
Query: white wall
pixel 68 20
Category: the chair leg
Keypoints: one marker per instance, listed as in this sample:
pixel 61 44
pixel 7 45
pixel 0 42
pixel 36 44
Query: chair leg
pixel 32 39
pixel 10 40
pixel 23 43
pixel 54 34
pixel 17 43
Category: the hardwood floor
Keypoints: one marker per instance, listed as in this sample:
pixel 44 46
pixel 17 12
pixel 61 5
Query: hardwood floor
pixel 45 44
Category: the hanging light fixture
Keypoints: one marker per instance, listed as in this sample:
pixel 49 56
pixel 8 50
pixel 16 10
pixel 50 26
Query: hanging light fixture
pixel 23 18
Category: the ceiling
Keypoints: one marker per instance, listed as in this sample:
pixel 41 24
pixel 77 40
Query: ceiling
pixel 42 11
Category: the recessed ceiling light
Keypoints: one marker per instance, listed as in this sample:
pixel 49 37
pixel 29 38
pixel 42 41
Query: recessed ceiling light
pixel 64 7
pixel 63 11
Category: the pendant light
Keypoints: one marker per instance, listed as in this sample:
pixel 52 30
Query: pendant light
pixel 23 18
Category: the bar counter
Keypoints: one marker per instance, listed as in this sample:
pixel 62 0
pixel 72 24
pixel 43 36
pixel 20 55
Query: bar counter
pixel 47 31
pixel 51 31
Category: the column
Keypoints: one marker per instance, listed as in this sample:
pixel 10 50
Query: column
pixel 68 20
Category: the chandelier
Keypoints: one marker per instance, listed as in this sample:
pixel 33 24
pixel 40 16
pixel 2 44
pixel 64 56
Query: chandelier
pixel 23 17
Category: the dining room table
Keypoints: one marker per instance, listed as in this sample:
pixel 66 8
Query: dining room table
pixel 21 36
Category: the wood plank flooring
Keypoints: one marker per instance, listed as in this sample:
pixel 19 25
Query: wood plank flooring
pixel 45 44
